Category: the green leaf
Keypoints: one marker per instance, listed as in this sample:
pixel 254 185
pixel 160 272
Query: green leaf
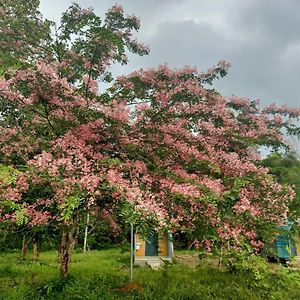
pixel 21 217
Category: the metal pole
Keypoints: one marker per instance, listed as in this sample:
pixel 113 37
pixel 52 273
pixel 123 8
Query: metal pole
pixel 131 254
pixel 86 232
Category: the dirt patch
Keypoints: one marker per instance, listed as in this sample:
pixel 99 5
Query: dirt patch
pixel 189 260
pixel 295 263
pixel 129 287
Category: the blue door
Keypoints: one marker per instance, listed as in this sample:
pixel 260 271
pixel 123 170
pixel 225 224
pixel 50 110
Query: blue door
pixel 152 244
pixel 283 242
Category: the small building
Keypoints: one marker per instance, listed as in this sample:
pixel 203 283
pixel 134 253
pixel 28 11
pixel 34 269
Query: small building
pixel 154 249
pixel 287 245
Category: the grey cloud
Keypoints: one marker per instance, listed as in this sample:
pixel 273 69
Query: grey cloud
pixel 187 43
pixel 261 39
pixel 274 19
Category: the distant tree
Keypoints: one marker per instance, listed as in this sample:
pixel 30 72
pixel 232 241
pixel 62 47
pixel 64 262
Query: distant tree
pixel 286 168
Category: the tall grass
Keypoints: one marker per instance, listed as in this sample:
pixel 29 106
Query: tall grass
pixel 103 274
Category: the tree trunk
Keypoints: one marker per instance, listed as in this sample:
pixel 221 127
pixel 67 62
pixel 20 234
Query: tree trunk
pixel 24 247
pixel 67 245
pixel 35 241
pixel 75 236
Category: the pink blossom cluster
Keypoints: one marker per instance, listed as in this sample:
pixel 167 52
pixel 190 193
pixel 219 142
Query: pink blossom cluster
pixel 165 144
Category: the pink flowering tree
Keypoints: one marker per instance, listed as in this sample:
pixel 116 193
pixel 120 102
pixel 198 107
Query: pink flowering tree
pixel 196 161
pixel 50 130
pixel 24 34
pixel 159 142
pixel 19 203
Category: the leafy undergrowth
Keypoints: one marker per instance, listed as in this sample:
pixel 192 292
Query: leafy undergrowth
pixel 104 275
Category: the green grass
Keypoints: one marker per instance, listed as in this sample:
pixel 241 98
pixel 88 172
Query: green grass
pixel 100 274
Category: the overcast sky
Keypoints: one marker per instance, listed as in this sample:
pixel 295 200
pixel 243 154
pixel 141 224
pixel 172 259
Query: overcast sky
pixel 260 38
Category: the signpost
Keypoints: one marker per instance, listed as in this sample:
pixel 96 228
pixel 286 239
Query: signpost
pixel 131 252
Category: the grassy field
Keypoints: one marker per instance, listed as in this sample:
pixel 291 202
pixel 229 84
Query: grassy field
pixel 105 275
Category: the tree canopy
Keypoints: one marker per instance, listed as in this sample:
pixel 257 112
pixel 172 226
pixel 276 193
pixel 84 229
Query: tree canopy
pixel 286 168
pixel 159 141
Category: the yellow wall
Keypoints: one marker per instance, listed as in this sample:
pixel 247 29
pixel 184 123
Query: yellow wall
pixel 297 240
pixel 162 245
pixel 142 250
